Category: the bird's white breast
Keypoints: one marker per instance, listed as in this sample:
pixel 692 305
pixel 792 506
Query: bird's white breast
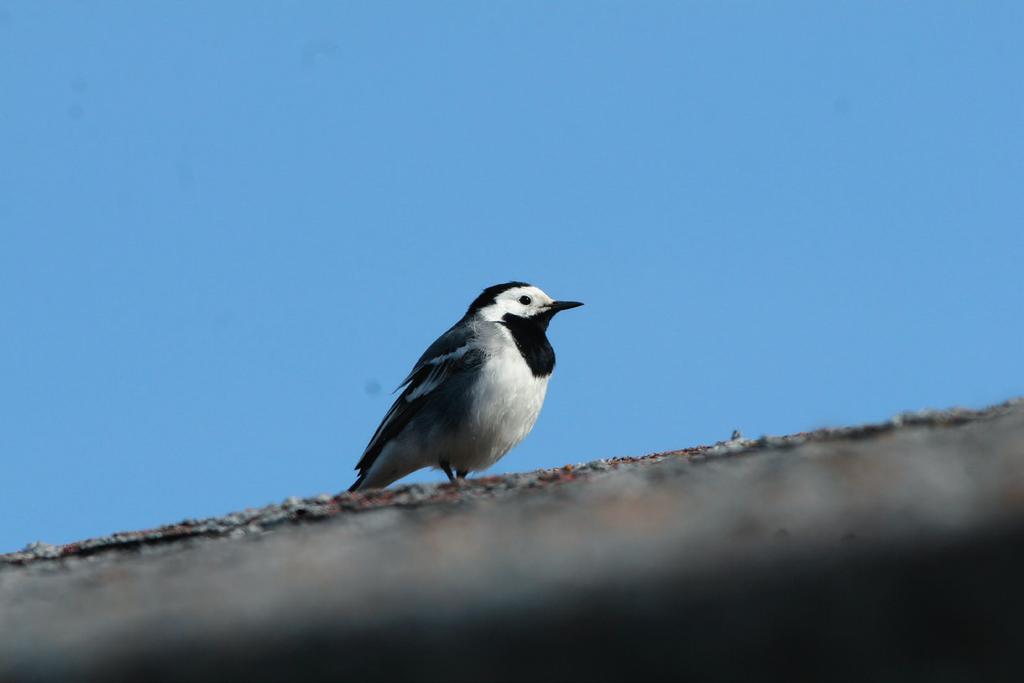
pixel 506 400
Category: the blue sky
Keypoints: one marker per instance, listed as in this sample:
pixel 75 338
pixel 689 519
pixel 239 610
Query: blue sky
pixel 228 229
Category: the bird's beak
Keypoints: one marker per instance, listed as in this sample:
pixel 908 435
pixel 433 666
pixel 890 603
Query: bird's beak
pixel 556 306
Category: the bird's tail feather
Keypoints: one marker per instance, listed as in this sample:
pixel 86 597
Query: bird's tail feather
pixel 358 482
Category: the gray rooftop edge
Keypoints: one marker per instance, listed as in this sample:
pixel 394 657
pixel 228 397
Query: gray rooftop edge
pixel 324 506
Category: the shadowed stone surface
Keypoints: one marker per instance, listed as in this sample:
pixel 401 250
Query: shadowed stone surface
pixel 889 551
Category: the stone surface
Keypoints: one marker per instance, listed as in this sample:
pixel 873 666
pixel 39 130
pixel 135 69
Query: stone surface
pixel 890 550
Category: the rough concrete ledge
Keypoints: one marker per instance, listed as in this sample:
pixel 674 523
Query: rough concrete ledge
pixel 891 550
pixel 299 510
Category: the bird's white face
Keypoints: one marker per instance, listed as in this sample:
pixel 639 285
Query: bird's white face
pixel 522 301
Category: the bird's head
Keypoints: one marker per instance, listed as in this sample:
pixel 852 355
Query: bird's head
pixel 519 299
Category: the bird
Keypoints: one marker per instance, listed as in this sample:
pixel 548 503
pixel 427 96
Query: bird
pixel 473 395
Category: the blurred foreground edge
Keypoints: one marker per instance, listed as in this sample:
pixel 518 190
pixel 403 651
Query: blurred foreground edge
pixel 885 552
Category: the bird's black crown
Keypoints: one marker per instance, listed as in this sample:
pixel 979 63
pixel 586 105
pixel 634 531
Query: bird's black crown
pixel 489 295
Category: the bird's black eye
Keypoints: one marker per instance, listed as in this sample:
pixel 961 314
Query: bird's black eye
pixel 525 300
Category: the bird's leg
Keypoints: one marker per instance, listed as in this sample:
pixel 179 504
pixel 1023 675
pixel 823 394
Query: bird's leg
pixel 461 474
pixel 447 468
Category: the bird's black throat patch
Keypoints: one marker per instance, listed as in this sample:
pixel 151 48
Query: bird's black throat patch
pixel 532 342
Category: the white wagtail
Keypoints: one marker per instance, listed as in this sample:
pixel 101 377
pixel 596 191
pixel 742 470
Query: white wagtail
pixel 473 395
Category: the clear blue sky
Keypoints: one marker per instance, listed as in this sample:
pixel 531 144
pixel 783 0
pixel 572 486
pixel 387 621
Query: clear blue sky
pixel 228 228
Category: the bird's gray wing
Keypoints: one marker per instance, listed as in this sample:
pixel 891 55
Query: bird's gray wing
pixel 453 353
pixel 450 344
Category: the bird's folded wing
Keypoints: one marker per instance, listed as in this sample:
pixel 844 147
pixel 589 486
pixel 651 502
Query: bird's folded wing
pixel 426 377
pixel 452 344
